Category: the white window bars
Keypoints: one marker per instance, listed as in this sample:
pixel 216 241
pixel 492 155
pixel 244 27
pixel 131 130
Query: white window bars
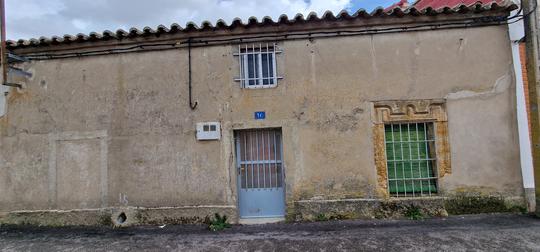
pixel 411 160
pixel 257 65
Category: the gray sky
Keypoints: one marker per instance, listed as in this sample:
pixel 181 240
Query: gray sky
pixel 34 18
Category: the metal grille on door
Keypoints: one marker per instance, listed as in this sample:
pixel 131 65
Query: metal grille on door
pixel 260 173
pixel 260 159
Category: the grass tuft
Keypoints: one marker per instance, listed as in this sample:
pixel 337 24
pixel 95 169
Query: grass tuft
pixel 414 213
pixel 219 223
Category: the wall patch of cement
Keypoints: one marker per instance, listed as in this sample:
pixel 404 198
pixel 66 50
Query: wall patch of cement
pixel 229 162
pixel 69 147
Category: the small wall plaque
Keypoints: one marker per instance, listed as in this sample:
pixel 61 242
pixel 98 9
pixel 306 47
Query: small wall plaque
pixel 260 115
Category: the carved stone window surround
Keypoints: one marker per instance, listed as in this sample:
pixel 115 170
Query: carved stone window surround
pixel 410 111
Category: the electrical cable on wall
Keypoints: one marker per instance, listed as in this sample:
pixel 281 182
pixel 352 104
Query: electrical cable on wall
pixel 459 23
pixel 191 104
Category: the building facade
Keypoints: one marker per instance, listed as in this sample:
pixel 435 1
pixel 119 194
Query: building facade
pixel 342 116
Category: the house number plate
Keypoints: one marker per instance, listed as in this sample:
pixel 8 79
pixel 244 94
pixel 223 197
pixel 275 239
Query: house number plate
pixel 260 115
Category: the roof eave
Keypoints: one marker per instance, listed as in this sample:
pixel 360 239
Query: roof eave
pixel 284 25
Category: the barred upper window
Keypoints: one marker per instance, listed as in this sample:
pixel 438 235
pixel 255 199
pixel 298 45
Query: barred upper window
pixel 411 161
pixel 257 65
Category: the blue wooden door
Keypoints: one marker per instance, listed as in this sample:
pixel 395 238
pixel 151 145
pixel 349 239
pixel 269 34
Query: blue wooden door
pixel 261 189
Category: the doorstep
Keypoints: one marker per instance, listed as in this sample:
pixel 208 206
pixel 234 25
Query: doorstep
pixel 258 221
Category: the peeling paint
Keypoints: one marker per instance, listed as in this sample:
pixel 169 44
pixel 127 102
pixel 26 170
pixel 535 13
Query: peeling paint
pixel 335 120
pixel 501 85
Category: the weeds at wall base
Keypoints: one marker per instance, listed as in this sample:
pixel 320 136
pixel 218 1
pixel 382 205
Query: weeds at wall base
pixel 414 213
pixel 219 223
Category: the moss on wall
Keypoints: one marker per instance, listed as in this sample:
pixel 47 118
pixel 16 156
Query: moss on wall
pixel 476 204
pixel 412 208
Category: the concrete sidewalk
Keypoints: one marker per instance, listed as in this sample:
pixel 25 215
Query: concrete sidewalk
pixel 499 232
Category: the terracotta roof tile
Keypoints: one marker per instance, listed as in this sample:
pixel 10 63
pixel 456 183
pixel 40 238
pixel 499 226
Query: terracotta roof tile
pixel 440 4
pixel 441 7
pixel 402 4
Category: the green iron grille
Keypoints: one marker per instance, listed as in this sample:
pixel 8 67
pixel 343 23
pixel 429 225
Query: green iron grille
pixel 410 155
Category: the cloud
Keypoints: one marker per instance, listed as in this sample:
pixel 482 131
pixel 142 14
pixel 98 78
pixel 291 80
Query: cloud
pixel 34 18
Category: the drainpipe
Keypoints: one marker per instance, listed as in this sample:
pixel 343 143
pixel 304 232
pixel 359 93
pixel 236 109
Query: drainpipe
pixel 516 32
pixel 3 59
pixel 3 41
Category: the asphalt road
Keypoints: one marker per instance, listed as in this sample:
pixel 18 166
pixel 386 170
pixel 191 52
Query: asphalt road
pixel 458 233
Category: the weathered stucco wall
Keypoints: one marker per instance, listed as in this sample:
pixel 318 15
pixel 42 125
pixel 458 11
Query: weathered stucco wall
pixel 124 135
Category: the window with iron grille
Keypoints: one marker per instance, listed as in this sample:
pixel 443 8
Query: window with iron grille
pixel 257 65
pixel 410 157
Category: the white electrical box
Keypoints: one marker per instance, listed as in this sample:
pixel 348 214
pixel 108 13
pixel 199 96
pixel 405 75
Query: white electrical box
pixel 208 131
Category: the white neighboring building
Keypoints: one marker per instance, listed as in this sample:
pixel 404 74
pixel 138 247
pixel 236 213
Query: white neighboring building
pixel 516 31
